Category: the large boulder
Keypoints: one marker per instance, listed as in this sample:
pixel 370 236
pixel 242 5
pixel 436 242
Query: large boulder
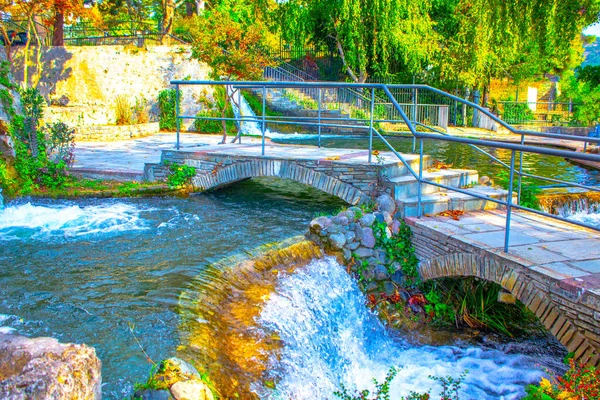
pixel 43 368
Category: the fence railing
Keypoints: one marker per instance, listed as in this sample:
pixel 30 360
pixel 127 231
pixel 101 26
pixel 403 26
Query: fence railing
pixel 515 167
pixel 536 113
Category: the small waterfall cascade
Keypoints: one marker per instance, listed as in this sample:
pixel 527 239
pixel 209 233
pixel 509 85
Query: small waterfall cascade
pixel 1 200
pixel 579 206
pixel 293 324
pixel 244 111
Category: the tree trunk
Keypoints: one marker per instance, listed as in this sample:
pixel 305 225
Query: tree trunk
pixel 189 9
pixel 58 38
pixel 167 23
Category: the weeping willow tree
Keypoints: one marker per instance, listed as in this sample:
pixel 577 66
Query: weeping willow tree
pixel 368 35
pixel 518 39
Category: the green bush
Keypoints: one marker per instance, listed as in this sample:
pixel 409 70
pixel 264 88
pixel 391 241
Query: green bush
pixel 180 174
pixel 167 116
pixel 517 113
pixel 214 109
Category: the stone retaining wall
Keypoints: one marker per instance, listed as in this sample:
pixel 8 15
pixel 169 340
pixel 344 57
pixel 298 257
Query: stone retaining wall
pixel 107 133
pixel 568 311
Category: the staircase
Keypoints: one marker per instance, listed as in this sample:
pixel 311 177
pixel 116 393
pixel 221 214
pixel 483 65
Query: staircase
pixel 404 188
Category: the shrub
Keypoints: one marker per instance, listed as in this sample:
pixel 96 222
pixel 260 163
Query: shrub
pixel 141 114
pixel 123 111
pixel 579 382
pixel 167 116
pixel 180 174
pixel 60 143
pixel 517 113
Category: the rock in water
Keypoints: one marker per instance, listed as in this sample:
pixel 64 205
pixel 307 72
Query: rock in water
pixel 191 390
pixel 43 368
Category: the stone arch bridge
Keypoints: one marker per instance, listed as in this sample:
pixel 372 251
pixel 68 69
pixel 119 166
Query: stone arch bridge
pixel 564 295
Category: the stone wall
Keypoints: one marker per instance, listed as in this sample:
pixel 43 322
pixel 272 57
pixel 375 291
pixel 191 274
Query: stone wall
pixel 106 133
pixel 567 310
pixel 350 233
pixel 43 368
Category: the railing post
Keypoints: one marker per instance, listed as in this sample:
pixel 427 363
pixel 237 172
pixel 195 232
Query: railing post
pixel 420 182
pixel 240 116
pixel 177 114
pixel 415 101
pixel 264 112
pixel 371 124
pixel 476 111
pixel 520 169
pixel 319 117
pixel 509 201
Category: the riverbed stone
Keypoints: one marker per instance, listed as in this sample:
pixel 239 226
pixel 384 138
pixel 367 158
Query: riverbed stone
pixel 386 203
pixel 368 239
pixel 334 228
pixel 387 217
pixel 368 274
pixel 395 227
pixel 185 369
pixel 371 287
pixel 320 223
pixel 337 240
pixel 43 368
pixel 191 390
pixel 380 273
pixel 353 245
pixel 398 277
pixel 350 236
pixel 380 255
pixel 340 220
pixel 354 212
pixel 389 288
pixel 364 252
pixel 367 220
pixel 347 254
pixel 379 217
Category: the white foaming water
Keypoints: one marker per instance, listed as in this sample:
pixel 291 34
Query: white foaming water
pixel 248 127
pixel 330 338
pixel 584 217
pixel 44 222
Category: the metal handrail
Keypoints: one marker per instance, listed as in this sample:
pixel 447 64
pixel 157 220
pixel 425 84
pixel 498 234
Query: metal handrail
pixel 421 136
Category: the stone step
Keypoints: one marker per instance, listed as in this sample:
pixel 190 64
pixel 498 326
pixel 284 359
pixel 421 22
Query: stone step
pixel 407 186
pixel 443 201
pixel 397 169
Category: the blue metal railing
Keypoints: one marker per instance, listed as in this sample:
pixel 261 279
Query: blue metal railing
pixel 420 136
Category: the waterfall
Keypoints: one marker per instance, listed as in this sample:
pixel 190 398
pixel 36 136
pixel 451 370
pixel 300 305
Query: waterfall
pixel 292 324
pixel 1 200
pixel 248 127
pixel 579 206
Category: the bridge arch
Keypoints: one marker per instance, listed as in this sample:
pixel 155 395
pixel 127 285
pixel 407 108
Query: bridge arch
pixel 223 175
pixel 518 281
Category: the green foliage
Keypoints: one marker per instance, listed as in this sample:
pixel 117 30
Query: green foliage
pixel 167 114
pixel 398 248
pixel 474 303
pixel 140 111
pixel 517 113
pixel 180 174
pixel 214 109
pixel 450 388
pixel 256 105
pixel 529 191
pixel 441 311
pixel 584 91
pixel 60 143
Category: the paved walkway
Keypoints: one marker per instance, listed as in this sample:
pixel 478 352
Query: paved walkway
pixel 562 251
